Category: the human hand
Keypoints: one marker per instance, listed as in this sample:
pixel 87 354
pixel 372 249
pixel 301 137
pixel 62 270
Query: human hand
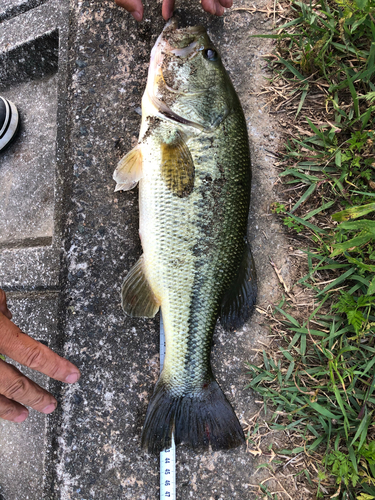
pixel 16 389
pixel 135 7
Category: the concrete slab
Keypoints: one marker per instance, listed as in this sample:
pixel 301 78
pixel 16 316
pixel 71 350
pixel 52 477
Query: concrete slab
pixel 12 8
pixel 29 268
pixel 41 17
pixel 30 186
pixel 27 168
pixel 31 213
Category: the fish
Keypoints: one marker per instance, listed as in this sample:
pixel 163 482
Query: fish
pixel 192 165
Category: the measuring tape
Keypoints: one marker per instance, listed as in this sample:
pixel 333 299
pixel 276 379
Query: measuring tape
pixel 167 457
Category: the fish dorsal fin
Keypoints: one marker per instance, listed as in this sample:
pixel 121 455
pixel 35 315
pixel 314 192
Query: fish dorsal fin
pixel 129 170
pixel 240 298
pixel 177 166
pixel 137 298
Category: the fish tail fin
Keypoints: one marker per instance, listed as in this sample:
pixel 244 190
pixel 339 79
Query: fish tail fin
pixel 197 419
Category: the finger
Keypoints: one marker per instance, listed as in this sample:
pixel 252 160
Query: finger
pixel 27 351
pixel 10 410
pixel 135 7
pixel 209 6
pixel 226 3
pixel 219 9
pixel 167 9
pixel 16 387
pixel 3 305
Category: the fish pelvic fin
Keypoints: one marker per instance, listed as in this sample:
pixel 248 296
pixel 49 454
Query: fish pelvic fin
pixel 137 298
pixel 198 420
pixel 129 170
pixel 177 166
pixel 240 298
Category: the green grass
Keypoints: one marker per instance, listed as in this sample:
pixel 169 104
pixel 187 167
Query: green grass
pixel 320 383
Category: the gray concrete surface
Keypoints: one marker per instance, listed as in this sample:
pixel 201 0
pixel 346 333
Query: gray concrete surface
pixel 12 8
pixel 33 47
pixel 26 211
pixel 72 263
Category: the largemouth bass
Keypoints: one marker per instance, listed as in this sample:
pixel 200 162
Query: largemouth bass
pixel 192 163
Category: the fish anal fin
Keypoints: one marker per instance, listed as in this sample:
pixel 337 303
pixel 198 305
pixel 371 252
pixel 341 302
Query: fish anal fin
pixel 137 298
pixel 129 170
pixel 240 298
pixel 177 166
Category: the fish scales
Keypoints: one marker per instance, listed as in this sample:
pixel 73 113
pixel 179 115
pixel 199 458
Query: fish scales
pixel 194 186
pixel 190 265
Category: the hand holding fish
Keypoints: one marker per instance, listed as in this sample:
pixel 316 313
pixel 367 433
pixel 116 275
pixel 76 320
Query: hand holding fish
pixel 15 388
pixel 135 7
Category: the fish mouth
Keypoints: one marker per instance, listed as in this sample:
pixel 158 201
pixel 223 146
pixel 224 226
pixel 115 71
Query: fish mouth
pixel 182 42
pixel 187 37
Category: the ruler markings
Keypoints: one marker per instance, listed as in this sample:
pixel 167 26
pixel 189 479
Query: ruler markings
pixel 167 457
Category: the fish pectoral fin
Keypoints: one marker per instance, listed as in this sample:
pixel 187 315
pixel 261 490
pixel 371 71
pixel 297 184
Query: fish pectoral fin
pixel 240 298
pixel 177 166
pixel 129 170
pixel 137 298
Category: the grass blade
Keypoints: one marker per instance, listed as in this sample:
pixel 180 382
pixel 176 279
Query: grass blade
pixel 305 197
pixel 292 69
pixel 337 281
pixel 313 228
pixel 353 212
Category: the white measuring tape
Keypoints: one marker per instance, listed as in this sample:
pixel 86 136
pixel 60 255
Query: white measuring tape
pixel 167 457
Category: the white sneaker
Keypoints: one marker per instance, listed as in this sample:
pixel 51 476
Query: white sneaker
pixel 9 122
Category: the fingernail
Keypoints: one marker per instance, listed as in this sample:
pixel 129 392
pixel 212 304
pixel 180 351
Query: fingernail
pixel 137 15
pixel 72 378
pixel 49 409
pixel 20 418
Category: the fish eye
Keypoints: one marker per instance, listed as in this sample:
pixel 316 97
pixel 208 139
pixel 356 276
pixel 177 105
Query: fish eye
pixel 210 54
